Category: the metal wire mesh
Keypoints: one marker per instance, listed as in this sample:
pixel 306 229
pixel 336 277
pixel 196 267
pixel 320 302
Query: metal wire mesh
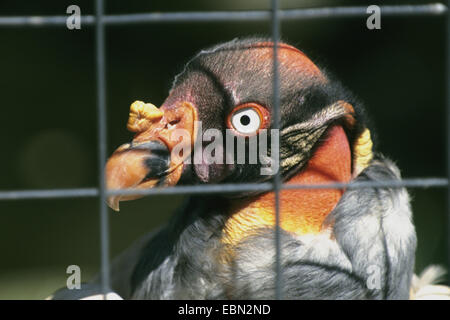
pixel 275 15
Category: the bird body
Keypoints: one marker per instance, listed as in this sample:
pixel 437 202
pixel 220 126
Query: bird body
pixel 332 264
pixel 335 243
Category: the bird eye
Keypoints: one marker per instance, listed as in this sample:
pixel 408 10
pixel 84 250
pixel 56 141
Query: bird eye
pixel 248 119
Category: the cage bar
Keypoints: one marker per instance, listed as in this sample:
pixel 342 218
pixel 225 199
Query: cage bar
pixel 447 90
pixel 101 110
pixel 219 188
pixel 434 9
pixel 276 26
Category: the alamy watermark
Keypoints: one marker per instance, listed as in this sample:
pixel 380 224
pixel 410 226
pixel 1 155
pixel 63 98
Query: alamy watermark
pixel 374 20
pixel 213 148
pixel 74 280
pixel 74 20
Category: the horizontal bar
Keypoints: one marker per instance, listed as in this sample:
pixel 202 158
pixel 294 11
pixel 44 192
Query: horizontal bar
pixel 406 183
pixel 47 194
pixel 43 21
pixel 230 188
pixel 291 14
pixel 434 9
pixel 220 188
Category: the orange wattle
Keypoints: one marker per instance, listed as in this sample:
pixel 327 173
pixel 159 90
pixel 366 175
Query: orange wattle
pixel 302 211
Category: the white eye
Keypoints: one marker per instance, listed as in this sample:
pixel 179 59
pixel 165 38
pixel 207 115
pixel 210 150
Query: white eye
pixel 246 120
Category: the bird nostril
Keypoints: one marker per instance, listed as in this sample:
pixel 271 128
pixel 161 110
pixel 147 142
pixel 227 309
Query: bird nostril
pixel 172 123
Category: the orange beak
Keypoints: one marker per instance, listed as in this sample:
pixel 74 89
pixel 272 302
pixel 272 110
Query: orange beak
pixel 153 157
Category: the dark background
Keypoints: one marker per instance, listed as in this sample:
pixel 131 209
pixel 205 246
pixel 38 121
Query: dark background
pixel 48 118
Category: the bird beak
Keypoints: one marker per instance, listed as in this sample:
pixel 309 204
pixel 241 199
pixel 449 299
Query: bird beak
pixel 152 158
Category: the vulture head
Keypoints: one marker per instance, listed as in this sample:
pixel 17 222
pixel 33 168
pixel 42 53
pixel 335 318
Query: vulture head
pixel 217 126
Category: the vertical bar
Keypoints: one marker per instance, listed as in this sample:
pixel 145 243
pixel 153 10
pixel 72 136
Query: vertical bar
pixel 277 179
pixel 447 92
pixel 101 109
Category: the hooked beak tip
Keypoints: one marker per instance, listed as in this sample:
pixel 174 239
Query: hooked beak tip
pixel 113 203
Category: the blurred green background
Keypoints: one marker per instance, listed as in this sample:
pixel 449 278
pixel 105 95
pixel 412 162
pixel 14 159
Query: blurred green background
pixel 48 118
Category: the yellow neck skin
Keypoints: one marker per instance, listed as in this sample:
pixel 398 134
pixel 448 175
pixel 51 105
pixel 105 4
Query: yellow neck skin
pixel 302 211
